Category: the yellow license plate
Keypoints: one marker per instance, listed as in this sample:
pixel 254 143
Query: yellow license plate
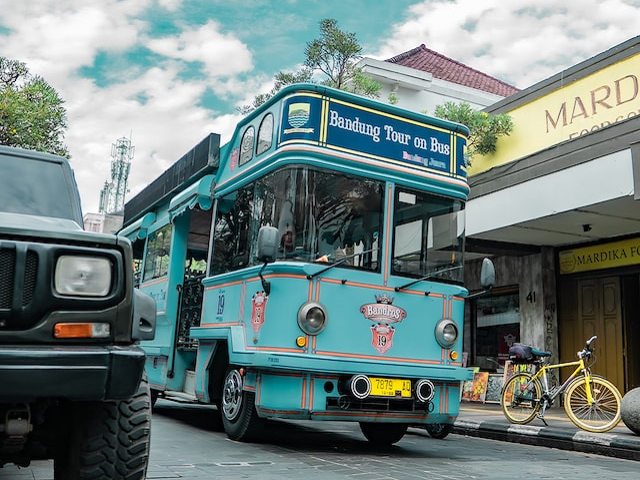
pixel 390 387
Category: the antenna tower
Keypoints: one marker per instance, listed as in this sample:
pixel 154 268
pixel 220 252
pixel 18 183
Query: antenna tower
pixel 113 193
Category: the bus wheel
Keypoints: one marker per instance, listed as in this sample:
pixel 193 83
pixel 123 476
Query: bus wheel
pixel 439 430
pixel 383 433
pixel 239 416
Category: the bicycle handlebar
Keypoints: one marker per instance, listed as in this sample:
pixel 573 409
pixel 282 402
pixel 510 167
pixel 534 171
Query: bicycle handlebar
pixel 587 348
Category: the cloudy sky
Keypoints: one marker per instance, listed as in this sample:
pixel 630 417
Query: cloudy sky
pixel 165 73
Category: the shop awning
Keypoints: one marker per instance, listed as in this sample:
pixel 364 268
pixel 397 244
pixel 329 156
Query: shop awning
pixel 198 194
pixel 138 229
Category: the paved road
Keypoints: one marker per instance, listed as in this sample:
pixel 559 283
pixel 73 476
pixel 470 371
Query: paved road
pixel 186 443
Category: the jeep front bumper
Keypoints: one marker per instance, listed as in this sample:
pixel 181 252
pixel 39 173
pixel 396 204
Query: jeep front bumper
pixel 75 373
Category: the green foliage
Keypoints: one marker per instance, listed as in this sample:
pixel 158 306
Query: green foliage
pixel 282 79
pixel 32 115
pixel 333 55
pixel 485 129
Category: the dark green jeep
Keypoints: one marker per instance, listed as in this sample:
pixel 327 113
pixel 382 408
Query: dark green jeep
pixel 72 383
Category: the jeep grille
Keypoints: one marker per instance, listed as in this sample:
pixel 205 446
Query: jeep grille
pixel 14 273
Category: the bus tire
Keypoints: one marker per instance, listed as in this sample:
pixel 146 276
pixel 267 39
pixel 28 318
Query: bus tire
pixel 239 416
pixel 107 440
pixel 383 434
pixel 438 430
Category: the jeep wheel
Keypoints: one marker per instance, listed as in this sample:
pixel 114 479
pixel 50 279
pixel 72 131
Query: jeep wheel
pixel 107 440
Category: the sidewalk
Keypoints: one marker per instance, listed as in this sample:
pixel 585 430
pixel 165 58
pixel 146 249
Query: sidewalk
pixel 486 420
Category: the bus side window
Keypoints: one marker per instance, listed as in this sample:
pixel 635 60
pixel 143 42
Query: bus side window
pixel 246 146
pixel 265 134
pixel 138 255
pixel 231 248
pixel 157 260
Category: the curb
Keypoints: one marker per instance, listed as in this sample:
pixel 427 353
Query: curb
pixel 611 445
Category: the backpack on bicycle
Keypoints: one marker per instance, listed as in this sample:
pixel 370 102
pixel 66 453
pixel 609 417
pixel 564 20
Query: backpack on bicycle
pixel 519 353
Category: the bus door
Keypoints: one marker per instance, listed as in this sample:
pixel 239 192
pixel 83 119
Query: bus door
pixel 174 266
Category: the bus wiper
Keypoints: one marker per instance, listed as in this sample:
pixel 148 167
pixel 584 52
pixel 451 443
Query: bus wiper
pixel 426 277
pixel 339 262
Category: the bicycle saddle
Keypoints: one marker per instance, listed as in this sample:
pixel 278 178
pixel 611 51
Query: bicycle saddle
pixel 540 353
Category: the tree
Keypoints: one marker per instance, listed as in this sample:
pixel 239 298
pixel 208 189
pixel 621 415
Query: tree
pixel 333 55
pixel 485 129
pixel 32 115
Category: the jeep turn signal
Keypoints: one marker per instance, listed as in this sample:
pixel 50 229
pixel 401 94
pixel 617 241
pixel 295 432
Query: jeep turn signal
pixel 81 330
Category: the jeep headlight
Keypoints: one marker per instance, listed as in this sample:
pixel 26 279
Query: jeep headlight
pixel 85 276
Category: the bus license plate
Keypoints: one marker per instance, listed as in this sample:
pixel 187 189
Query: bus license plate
pixel 390 387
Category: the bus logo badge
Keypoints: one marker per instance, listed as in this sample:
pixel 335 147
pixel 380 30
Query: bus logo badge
pixel 258 306
pixel 384 314
pixel 298 114
pixel 382 337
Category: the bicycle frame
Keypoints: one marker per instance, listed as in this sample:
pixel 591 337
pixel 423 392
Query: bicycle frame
pixel 542 375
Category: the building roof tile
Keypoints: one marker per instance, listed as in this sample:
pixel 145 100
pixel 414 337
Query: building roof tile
pixel 445 68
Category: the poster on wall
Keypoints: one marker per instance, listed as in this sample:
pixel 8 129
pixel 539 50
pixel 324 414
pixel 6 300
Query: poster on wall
pixel 475 390
pixel 494 388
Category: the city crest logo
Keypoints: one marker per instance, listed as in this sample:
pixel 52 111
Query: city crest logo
pixel 384 314
pixel 298 115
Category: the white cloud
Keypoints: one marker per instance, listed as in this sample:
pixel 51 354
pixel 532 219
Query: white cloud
pixel 159 110
pixel 521 42
pixel 223 55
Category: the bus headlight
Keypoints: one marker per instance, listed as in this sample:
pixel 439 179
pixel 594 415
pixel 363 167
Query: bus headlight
pixel 446 333
pixel 312 318
pixel 84 276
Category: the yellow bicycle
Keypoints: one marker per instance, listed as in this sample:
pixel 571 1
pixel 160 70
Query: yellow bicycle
pixel 590 401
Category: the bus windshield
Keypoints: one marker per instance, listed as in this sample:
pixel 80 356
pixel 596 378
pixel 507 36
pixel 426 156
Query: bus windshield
pixel 320 216
pixel 428 236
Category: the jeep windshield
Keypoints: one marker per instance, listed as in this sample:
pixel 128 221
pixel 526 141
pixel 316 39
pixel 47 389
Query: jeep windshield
pixel 34 188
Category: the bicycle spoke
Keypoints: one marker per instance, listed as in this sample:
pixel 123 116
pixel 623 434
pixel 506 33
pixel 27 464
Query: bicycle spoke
pixel 520 399
pixel 602 414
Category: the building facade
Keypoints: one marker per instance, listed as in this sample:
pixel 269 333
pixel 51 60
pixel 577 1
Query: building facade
pixel 557 208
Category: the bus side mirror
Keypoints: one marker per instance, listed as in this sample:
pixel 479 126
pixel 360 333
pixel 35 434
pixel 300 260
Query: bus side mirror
pixel 487 278
pixel 268 242
pixel 487 274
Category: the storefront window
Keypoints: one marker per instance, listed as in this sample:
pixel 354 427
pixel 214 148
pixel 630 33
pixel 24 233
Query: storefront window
pixel 497 328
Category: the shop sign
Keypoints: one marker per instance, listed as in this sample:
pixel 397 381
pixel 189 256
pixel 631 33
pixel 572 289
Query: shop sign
pixel 580 107
pixel 596 257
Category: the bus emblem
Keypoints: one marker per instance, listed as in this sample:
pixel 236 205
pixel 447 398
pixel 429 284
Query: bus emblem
pixel 383 313
pixel 382 337
pixel 258 306
pixel 298 114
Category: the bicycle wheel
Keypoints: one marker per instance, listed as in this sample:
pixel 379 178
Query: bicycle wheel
pixel 600 416
pixel 520 399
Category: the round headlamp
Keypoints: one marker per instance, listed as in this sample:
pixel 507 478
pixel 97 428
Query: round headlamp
pixel 447 333
pixel 312 318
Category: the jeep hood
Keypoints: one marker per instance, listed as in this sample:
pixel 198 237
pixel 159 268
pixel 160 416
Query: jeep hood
pixel 21 225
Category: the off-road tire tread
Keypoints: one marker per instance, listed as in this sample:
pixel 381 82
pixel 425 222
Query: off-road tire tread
pixel 109 440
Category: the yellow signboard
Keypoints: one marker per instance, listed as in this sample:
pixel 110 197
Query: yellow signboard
pixel 607 255
pixel 596 101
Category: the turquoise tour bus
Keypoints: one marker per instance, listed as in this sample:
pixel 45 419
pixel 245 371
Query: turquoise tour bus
pixel 311 268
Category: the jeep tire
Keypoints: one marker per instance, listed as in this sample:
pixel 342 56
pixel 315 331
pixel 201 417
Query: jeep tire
pixel 107 440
